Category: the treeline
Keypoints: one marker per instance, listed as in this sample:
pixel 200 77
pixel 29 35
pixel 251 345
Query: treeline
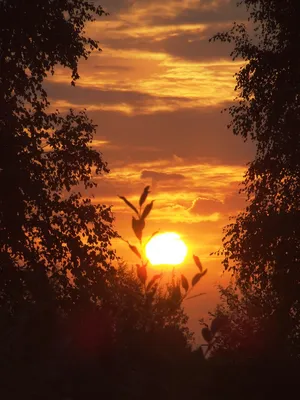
pixel 75 322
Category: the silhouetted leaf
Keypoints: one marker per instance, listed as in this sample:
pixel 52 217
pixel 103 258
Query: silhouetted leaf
pixel 141 273
pixel 199 352
pixel 153 280
pixel 153 234
pixel 138 225
pixel 150 295
pixel 197 277
pixel 184 283
pixel 176 294
pixel 206 333
pixel 129 204
pixel 134 249
pixel 196 295
pixel 198 262
pixel 144 195
pixel 147 210
pixel 218 323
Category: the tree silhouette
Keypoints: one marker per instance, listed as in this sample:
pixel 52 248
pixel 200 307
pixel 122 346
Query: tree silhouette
pixel 54 242
pixel 262 245
pixel 49 230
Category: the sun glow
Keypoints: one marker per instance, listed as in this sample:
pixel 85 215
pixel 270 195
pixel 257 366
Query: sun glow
pixel 166 249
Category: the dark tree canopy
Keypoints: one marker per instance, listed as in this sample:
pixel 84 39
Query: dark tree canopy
pixel 262 246
pixel 50 232
pixel 37 36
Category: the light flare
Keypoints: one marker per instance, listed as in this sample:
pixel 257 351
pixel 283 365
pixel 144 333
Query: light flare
pixel 166 249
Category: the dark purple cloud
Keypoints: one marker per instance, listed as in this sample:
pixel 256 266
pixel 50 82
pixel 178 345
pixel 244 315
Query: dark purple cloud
pixel 187 133
pixel 226 12
pixel 186 45
pixel 205 206
pixel 161 176
pixel 233 203
pixel 79 95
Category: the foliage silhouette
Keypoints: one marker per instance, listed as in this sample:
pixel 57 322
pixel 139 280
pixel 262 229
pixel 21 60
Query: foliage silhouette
pixel 50 232
pixel 55 253
pixel 262 245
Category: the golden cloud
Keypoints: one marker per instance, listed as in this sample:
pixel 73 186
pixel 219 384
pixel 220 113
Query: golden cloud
pixel 213 185
pixel 164 61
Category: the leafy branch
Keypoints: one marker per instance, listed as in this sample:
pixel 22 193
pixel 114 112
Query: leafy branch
pixel 210 334
pixel 138 225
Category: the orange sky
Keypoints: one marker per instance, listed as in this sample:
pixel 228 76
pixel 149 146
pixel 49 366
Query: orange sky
pixel 156 92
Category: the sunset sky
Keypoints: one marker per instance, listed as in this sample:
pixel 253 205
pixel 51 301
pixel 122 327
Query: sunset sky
pixel 156 92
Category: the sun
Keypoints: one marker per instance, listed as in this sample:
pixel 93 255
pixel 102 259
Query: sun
pixel 166 248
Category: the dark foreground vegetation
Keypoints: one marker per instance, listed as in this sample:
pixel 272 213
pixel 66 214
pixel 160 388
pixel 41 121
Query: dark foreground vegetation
pixel 75 322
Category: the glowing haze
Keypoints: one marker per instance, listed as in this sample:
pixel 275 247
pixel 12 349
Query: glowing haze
pixel 156 92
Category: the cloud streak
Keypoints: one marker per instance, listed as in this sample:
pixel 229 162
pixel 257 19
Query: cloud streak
pixel 157 57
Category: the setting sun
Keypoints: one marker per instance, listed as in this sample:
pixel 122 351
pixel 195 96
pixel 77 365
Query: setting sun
pixel 166 248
